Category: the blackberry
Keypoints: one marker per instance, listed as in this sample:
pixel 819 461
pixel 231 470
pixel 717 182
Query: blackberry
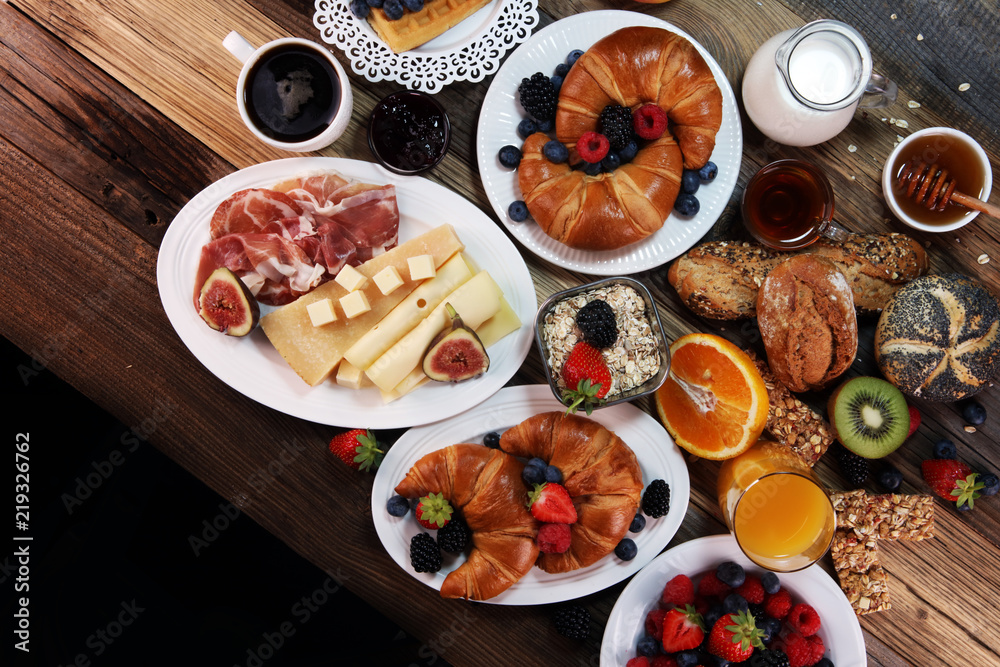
pixel 538 96
pixel 573 622
pixel 615 122
pixel 425 556
pixel 854 468
pixel 597 323
pixel 454 536
pixel 766 658
pixel 656 499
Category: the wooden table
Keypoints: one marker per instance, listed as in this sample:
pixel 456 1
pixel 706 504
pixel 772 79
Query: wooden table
pixel 116 113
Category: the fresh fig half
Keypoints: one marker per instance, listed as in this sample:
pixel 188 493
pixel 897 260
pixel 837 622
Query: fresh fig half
pixel 227 305
pixel 455 354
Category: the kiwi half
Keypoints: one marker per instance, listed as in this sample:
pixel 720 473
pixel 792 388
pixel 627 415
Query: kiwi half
pixel 869 416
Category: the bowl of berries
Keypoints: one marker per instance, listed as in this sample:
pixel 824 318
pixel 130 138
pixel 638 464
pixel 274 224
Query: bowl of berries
pixel 704 603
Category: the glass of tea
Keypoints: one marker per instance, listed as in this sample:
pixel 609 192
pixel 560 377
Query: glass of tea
pixel 776 507
pixel 292 93
pixel 788 205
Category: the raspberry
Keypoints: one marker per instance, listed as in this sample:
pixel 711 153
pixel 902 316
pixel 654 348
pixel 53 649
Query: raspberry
pixel 649 121
pixel 662 661
pixel 654 622
pixel 638 661
pixel 679 592
pixel 778 605
pixel 804 620
pixel 553 538
pixel 615 122
pixel 597 323
pixel 538 96
pixel 592 147
pixel 752 590
pixel 818 649
pixel 799 650
pixel 710 586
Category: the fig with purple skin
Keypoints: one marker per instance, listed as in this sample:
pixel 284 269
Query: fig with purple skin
pixel 227 305
pixel 455 354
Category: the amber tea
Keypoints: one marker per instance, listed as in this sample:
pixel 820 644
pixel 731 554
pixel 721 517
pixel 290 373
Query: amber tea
pixel 787 204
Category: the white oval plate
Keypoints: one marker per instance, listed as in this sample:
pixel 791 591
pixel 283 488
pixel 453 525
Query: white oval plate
pixel 502 112
pixel 840 630
pixel 253 367
pixel 658 456
pixel 469 51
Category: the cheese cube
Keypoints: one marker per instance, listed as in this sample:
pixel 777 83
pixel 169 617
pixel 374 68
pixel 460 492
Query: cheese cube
pixel 421 267
pixel 387 280
pixel 350 278
pixel 321 312
pixel 355 304
pixel 350 376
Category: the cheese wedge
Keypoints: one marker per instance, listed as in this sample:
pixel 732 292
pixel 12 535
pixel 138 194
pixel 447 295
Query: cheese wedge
pixel 313 352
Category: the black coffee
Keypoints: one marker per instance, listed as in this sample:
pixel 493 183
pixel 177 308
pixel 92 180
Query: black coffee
pixel 292 93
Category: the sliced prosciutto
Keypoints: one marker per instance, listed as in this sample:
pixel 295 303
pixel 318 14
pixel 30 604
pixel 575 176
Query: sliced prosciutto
pixel 248 211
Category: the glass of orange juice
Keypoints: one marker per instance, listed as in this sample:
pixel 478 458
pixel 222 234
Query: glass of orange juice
pixel 776 507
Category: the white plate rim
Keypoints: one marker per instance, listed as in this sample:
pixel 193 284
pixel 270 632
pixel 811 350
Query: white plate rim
pixel 498 123
pixel 510 406
pixel 626 622
pixel 423 204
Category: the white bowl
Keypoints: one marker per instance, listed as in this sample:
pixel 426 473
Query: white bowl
pixel 891 196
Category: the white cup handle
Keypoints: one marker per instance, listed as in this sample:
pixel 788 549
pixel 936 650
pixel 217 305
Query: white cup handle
pixel 238 46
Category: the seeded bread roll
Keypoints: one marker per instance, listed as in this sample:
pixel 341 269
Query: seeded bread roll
pixel 721 279
pixel 805 311
pixel 938 338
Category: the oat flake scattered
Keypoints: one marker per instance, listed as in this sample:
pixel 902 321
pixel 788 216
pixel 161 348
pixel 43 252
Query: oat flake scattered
pixel 892 16
pixel 983 259
pixel 970 429
pixel 902 124
pixel 964 87
pixel 852 148
pixel 920 38
pixel 913 104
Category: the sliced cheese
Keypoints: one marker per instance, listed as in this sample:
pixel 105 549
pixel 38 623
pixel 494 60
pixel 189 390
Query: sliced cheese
pixel 313 352
pixel 321 312
pixel 351 279
pixel 387 280
pixel 416 378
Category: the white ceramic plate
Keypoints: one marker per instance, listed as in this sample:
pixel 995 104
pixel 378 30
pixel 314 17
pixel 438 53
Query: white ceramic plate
pixel 253 367
pixel 469 51
pixel 658 456
pixel 840 631
pixel 502 112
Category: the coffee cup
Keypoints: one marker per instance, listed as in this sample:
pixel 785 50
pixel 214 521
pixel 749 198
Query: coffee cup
pixel 292 93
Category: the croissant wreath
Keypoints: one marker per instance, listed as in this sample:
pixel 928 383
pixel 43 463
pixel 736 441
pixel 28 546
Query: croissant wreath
pixel 600 473
pixel 630 67
pixel 485 486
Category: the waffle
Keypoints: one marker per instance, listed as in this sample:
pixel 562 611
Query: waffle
pixel 416 28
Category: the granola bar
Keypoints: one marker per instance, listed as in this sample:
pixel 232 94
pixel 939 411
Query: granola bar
pixel 854 553
pixel 868 592
pixel 904 517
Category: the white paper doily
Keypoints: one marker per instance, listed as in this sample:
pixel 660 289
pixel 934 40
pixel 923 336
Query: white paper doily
pixel 469 51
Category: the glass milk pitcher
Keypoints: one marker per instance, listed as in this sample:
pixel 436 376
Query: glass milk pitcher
pixel 802 86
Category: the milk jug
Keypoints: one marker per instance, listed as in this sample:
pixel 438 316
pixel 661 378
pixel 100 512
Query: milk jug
pixel 802 86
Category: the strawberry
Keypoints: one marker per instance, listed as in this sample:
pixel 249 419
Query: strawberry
pixel 952 480
pixel 587 378
pixel 679 592
pixel 734 637
pixel 914 420
pixel 550 503
pixel 433 511
pixel 358 449
pixel 683 629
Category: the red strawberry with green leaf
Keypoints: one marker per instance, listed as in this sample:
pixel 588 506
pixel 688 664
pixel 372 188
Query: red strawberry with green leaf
pixel 683 629
pixel 433 511
pixel 587 378
pixel 550 503
pixel 358 449
pixel 735 636
pixel 952 480
pixel 914 420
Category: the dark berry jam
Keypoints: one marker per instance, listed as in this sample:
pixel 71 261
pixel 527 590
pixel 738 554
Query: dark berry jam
pixel 408 132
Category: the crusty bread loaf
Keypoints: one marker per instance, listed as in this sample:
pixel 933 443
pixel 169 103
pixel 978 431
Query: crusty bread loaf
pixel 805 311
pixel 721 279
pixel 416 28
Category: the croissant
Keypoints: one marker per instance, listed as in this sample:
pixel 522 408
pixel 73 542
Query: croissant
pixel 485 486
pixel 631 67
pixel 600 473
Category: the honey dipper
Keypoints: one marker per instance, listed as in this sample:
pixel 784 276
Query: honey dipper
pixel 930 187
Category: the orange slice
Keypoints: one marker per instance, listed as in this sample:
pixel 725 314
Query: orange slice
pixel 713 402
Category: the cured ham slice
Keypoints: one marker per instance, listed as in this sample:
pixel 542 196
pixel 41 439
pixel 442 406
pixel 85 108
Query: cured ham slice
pixel 248 211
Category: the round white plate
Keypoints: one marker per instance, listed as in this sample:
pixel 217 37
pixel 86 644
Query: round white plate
pixel 840 630
pixel 502 112
pixel 658 456
pixel 469 51
pixel 253 367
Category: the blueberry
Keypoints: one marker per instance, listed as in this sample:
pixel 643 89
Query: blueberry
pixel 824 662
pixel 769 580
pixel 638 523
pixel 731 574
pixel 890 478
pixel 690 182
pixel 611 161
pixel 964 507
pixel 713 614
pixel 591 168
pixel 557 82
pixel 518 211
pixel 393 9
pixel 771 628
pixel 709 171
pixel 628 153
pixel 945 449
pixel 397 506
pixel 526 128
pixel 537 461
pixel 555 151
pixel 553 475
pixel 360 8
pixel 716 661
pixel 687 204
pixel 545 125
pixel 562 69
pixel 573 56
pixel 492 440
pixel 991 484
pixel 533 475
pixel 648 646
pixel 509 156
pixel 376 4
pixel 974 413
pixel 626 549
pixel 414 5
pixel 734 602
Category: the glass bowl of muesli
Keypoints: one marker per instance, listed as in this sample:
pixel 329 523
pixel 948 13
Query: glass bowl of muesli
pixel 638 358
